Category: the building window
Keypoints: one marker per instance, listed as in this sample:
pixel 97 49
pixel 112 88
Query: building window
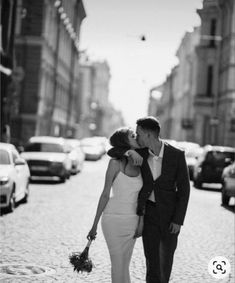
pixel 212 32
pixel 206 130
pixel 209 81
pixel 232 125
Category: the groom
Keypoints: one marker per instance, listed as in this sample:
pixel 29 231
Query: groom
pixel 163 198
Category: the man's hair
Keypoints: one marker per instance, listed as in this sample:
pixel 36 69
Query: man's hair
pixel 149 123
pixel 120 138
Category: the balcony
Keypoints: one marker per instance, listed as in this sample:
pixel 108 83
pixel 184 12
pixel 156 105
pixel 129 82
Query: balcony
pixel 203 100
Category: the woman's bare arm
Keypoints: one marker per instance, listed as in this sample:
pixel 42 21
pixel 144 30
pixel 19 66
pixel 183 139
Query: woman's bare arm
pixel 111 172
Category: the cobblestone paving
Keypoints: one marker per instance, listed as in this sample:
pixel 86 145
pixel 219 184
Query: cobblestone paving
pixel 57 219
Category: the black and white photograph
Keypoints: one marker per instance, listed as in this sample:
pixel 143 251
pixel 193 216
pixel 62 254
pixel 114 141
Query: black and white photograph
pixel 117 141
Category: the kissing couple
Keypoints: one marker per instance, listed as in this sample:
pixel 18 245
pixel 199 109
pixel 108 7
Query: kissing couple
pixel 146 194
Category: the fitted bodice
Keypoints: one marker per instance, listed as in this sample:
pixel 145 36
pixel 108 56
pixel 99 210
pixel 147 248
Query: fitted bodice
pixel 125 190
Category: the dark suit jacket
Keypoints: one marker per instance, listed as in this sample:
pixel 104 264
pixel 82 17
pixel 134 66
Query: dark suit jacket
pixel 171 188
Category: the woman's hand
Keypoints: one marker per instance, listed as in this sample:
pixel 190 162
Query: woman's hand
pixel 136 159
pixel 92 234
pixel 139 228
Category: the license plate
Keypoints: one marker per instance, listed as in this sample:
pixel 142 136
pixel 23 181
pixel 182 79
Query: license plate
pixel 39 168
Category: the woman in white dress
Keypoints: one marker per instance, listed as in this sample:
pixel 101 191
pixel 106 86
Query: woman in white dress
pixel 120 223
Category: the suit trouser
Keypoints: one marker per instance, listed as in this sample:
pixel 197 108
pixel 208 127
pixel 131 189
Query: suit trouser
pixel 159 246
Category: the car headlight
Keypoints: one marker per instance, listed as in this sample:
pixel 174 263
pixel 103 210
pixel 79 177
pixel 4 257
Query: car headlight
pixel 4 180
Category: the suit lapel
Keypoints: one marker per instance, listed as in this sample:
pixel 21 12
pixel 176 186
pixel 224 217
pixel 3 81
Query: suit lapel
pixel 166 158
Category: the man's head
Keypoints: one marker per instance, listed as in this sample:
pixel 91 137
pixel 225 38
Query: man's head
pixel 148 128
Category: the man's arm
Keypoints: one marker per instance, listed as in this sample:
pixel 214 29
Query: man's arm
pixel 183 190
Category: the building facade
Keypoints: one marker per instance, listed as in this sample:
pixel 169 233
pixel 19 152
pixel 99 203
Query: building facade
pixel 86 109
pixel 46 44
pixel 97 115
pixel 10 77
pixel 202 87
pixel 225 108
pixel 184 88
pixel 165 108
pixel 175 107
pixel 215 100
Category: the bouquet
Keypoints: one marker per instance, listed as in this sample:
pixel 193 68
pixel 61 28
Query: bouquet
pixel 81 261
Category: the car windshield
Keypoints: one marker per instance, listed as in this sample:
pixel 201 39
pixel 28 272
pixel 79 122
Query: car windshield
pixel 4 157
pixel 44 147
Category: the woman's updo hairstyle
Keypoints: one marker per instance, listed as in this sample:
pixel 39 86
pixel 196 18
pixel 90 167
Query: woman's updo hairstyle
pixel 120 138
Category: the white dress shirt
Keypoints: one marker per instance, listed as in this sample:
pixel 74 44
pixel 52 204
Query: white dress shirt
pixel 155 164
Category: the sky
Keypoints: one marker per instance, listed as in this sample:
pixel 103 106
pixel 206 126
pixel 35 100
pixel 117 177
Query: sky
pixel 112 31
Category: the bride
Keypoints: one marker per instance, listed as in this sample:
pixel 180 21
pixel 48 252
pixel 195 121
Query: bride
pixel 117 205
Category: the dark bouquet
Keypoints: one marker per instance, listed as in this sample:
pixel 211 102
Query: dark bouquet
pixel 81 261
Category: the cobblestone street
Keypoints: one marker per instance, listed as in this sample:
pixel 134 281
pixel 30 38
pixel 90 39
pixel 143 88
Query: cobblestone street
pixel 57 218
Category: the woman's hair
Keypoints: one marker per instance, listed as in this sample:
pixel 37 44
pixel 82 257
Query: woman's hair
pixel 120 138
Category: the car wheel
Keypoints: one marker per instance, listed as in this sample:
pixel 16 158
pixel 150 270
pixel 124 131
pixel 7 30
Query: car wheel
pixel 197 183
pixel 26 196
pixel 225 198
pixel 68 174
pixel 12 203
pixel 63 178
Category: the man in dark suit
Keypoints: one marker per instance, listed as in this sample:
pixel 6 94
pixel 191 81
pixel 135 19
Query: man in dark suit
pixel 163 198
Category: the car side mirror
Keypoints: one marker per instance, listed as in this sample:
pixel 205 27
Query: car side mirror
pixel 20 161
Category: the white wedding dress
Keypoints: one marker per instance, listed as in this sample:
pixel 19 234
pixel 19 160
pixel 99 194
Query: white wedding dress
pixel 119 222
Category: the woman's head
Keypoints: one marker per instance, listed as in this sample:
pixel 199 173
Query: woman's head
pixel 125 138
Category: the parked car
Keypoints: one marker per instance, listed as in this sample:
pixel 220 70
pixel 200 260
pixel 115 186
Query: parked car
pixel 171 142
pixel 92 148
pixel 103 142
pixel 14 177
pixel 48 157
pixel 76 155
pixel 192 152
pixel 228 184
pixel 211 164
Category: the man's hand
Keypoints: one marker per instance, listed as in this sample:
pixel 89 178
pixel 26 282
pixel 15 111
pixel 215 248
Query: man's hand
pixel 139 228
pixel 174 228
pixel 135 157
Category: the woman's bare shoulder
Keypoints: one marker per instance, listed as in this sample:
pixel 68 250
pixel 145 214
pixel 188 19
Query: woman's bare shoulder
pixel 114 162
